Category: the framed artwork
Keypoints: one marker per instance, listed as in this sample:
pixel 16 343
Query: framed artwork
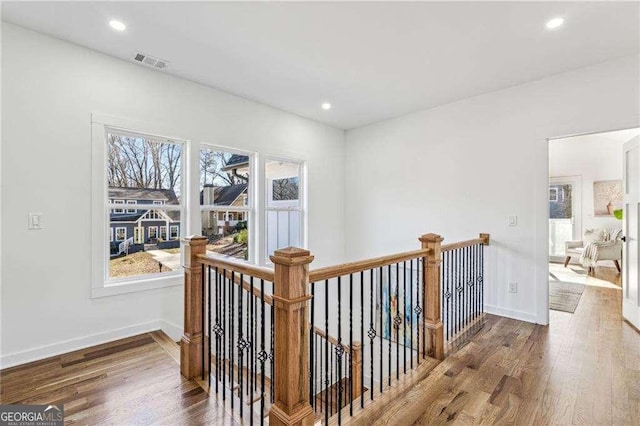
pixel 607 197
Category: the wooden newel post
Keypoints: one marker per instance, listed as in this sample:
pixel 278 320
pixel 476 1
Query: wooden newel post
pixel 291 344
pixel 192 339
pixel 433 292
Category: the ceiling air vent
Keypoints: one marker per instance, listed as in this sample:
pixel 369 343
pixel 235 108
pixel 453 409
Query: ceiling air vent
pixel 150 61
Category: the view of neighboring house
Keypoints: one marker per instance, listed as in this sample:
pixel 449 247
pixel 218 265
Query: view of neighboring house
pixel 144 225
pixel 215 222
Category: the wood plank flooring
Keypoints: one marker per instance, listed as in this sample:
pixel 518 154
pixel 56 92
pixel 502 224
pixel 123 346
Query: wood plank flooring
pixel 583 369
pixel 131 381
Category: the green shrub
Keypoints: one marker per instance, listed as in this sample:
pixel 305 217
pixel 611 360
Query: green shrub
pixel 241 237
pixel 241 225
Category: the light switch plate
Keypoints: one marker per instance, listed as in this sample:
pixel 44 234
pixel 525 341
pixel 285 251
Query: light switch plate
pixel 35 221
pixel 513 220
pixel 513 287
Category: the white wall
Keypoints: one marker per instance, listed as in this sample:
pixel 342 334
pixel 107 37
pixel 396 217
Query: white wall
pixel 594 158
pixel 50 89
pixel 464 168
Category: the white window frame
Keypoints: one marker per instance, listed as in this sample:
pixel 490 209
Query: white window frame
pixel 118 210
pixel 102 124
pixel 554 199
pixel 165 233
pixel 129 202
pixel 249 210
pixel 124 228
pixel 110 234
pixel 171 228
pixel 158 203
pixel 268 195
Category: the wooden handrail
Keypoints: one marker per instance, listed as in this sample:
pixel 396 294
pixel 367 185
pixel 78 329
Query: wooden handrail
pixel 246 286
pixel 483 239
pixel 329 272
pixel 233 264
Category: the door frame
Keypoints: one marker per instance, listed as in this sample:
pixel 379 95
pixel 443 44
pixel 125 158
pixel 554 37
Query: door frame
pixel 630 307
pixel 576 205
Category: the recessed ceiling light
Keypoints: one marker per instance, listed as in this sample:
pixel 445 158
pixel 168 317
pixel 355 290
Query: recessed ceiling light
pixel 326 106
pixel 117 25
pixel 555 23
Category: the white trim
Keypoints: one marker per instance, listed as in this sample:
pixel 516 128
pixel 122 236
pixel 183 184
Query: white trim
pixel 158 202
pixel 125 233
pixel 66 346
pixel 129 202
pixel 171 228
pixel 133 285
pixel 160 232
pixel 118 211
pixel 509 313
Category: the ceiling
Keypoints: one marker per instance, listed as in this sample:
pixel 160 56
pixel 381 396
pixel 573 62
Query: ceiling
pixel 371 61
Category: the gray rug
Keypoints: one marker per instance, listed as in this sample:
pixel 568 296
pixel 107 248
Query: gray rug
pixel 564 296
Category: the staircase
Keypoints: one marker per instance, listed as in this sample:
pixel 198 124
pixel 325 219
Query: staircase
pixel 341 344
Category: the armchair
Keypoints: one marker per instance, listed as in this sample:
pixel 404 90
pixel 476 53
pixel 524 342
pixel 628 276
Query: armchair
pixel 597 244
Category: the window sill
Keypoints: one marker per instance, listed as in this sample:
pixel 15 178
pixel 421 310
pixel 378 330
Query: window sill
pixel 134 286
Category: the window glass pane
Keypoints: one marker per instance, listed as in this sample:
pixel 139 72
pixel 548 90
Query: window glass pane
pixel 560 201
pixel 224 183
pixel 141 244
pixel 143 171
pixel 283 184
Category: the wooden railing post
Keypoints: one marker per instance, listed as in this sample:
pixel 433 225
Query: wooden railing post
pixel 356 369
pixel 192 339
pixel 291 345
pixel 433 321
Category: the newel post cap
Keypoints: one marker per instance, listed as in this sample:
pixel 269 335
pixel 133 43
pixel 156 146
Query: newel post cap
pixel 431 238
pixel 195 240
pixel 291 256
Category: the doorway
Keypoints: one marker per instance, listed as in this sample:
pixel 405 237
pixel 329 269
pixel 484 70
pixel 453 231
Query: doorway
pixel 585 195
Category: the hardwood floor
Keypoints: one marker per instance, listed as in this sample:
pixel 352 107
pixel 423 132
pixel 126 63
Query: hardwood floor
pixel 583 369
pixel 131 381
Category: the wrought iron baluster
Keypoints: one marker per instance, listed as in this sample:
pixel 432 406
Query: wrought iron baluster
pixel 424 305
pixel 240 343
pixel 389 320
pixel 262 356
pixel 271 355
pixel 224 328
pixel 411 309
pixel 311 342
pixel 232 309
pixel 209 325
pixel 351 344
pixel 381 330
pixel 252 375
pixel 371 332
pixel 217 328
pixel 361 339
pixel 404 314
pixel 339 350
pixel 326 351
pixel 204 303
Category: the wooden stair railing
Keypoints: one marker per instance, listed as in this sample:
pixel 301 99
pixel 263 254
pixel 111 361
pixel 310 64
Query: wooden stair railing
pixel 292 302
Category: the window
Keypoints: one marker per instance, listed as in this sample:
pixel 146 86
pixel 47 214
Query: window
pixel 121 234
pixel 153 232
pixel 110 234
pixel 225 197
pixel 553 194
pixel 284 215
pixel 119 210
pixel 163 232
pixel 173 232
pixel 141 178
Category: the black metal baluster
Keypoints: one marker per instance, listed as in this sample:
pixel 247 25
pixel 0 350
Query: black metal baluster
pixel 397 321
pixel 381 331
pixel 217 329
pixel 351 344
pixel 411 310
pixel 476 276
pixel 389 320
pixel 418 309
pixel 459 291
pixel 224 328
pixel 240 343
pixel 331 378
pixel 404 315
pixel 204 303
pixel 482 278
pixel 372 332
pixel 311 342
pixel 361 338
pixel 231 345
pixel 339 350
pixel 468 283
pixel 252 301
pixel 209 323
pixel 247 338
pixel 449 296
pixel 271 355
pixel 424 306
pixel 262 356
pixel 326 351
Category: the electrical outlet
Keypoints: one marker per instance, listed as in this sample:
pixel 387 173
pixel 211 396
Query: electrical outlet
pixel 513 220
pixel 513 287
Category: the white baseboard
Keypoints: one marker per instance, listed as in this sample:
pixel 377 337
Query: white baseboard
pixel 172 330
pixel 519 315
pixel 46 351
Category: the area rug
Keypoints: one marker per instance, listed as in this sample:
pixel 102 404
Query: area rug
pixel 564 296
